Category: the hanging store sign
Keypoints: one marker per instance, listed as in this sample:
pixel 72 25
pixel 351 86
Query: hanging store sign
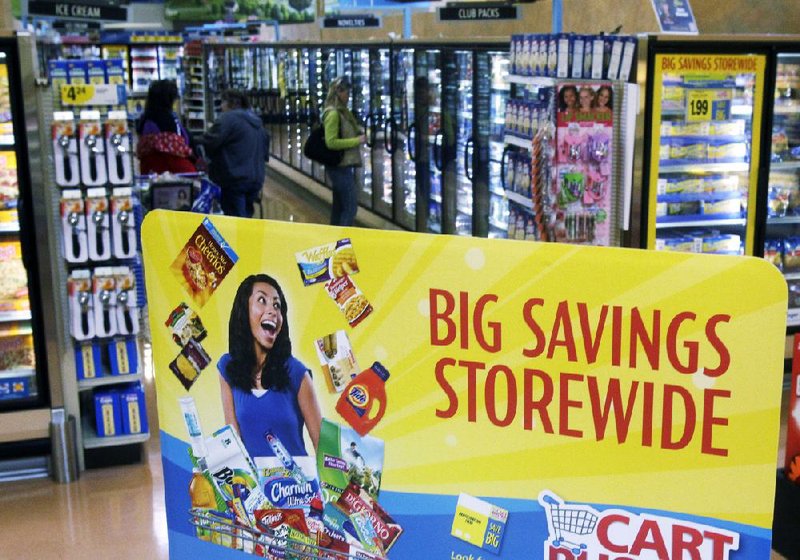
pixel 462 397
pixel 478 12
pixel 77 10
pixel 351 21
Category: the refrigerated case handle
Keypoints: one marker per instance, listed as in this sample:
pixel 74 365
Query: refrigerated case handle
pixel 503 167
pixel 309 116
pixel 437 150
pixel 389 131
pixel 369 125
pixel 467 145
pixel 411 134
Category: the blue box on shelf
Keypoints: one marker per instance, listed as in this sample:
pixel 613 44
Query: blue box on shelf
pixel 107 413
pixel 123 356
pixel 133 410
pixel 88 361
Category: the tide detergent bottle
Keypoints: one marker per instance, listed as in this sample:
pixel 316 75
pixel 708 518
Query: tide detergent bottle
pixel 363 401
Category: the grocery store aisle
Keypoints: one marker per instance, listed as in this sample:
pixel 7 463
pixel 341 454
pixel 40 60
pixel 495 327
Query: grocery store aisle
pixel 119 512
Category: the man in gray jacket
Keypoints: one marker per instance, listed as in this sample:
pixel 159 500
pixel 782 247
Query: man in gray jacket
pixel 238 147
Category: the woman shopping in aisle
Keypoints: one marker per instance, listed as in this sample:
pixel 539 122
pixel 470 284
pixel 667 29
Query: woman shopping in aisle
pixel 163 144
pixel 342 132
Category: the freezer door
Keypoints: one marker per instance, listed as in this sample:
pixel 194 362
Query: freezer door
pixel 428 139
pixel 380 131
pixel 401 137
pixel 782 209
pixel 705 133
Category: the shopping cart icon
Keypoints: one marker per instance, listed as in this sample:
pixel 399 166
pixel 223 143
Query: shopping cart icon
pixel 574 520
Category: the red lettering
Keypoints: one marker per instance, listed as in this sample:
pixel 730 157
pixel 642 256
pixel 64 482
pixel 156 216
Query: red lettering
pixel 668 421
pixel 444 316
pixel 477 325
pixel 672 344
pixel 464 319
pixel 536 330
pixel 613 400
pixel 648 343
pixel 447 388
pixel 616 336
pixel 563 322
pixel 538 405
pixel 591 345
pixel 511 399
pixel 719 346
pixel 472 374
pixel 647 415
pixel 718 541
pixel 686 539
pixel 565 404
pixel 603 529
pixel 709 421
pixel 649 538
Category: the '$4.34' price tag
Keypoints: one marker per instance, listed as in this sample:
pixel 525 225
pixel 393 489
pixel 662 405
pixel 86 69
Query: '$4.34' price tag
pixel 699 105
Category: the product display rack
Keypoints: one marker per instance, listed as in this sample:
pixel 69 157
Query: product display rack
pixel 81 388
pixel 193 98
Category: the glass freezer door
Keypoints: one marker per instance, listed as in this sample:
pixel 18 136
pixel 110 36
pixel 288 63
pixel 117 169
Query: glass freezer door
pixel 379 131
pixel 361 104
pixel 428 139
pixel 19 384
pixel 782 234
pixel 459 143
pixel 402 129
pixel 705 135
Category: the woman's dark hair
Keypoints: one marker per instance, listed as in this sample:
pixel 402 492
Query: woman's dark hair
pixel 610 95
pixel 562 102
pixel 240 342
pixel 161 96
pixel 235 98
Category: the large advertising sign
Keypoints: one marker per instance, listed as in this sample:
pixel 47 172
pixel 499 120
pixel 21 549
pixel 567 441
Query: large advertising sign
pixel 283 11
pixel 351 393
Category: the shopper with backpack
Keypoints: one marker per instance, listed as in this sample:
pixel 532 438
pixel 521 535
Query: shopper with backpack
pixel 342 132
pixel 238 148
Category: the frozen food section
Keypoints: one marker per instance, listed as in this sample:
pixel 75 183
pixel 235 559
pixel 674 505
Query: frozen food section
pixel 782 230
pixel 704 131
pixel 432 115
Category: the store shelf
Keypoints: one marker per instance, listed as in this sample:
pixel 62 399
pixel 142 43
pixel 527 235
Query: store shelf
pixel 701 223
pixel 92 441
pixel 784 165
pixel 792 275
pixel 519 199
pixel 704 168
pixel 19 372
pixel 793 318
pixel 87 384
pixel 539 81
pixel 783 221
pixel 791 110
pixel 9 227
pixel 519 142
pixel 7 316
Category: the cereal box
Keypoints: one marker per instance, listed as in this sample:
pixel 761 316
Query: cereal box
pixel 203 262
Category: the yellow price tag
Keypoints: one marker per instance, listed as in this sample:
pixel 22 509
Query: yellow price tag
pixel 699 104
pixel 77 94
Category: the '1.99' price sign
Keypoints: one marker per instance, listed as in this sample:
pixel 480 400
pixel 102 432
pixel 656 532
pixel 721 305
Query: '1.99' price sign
pixel 708 105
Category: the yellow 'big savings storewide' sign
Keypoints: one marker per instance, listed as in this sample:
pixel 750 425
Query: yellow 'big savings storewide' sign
pixel 637 389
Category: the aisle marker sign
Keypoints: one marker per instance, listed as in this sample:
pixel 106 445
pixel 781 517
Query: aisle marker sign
pixel 546 401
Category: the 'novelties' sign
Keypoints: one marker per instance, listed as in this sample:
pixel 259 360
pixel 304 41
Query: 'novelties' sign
pixel 350 21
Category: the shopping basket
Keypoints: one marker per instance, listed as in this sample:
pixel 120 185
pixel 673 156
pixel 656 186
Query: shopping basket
pixel 222 530
pixel 577 520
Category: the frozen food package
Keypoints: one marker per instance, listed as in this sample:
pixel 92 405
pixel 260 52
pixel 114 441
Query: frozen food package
pixel 337 360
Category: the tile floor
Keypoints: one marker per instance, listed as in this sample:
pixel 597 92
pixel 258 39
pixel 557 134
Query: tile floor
pixel 118 512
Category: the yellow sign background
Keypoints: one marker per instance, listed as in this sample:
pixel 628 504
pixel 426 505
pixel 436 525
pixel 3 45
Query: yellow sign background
pixel 426 453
